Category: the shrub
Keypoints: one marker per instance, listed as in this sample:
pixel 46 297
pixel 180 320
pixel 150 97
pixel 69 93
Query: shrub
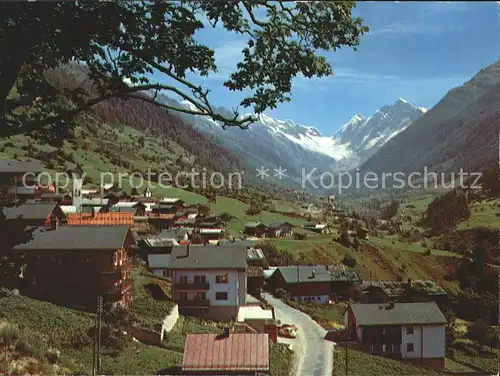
pixel 53 355
pixel 427 252
pixel 9 144
pixel 299 236
pixel 349 261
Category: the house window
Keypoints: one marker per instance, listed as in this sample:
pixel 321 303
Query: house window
pixel 221 278
pixel 221 296
pixel 409 330
pixel 200 296
pixel 183 296
pixel 183 279
pixel 199 279
pixel 410 347
pixel 396 348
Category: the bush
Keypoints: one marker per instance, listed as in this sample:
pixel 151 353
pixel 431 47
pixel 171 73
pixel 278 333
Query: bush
pixel 299 236
pixel 349 261
pixel 53 355
pixel 427 252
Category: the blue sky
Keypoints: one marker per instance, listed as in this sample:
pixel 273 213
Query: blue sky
pixel 415 50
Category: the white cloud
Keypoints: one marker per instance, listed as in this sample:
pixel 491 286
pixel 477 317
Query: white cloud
pixel 353 77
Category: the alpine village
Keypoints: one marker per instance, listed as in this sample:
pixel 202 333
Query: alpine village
pixel 103 276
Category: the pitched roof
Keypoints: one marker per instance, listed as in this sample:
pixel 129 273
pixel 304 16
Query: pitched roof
pixel 255 271
pixel 401 314
pixel 15 166
pixel 227 256
pixel 317 273
pixel 173 233
pixel 254 224
pixel 278 224
pixel 255 254
pixel 78 238
pixel 30 211
pixel 236 352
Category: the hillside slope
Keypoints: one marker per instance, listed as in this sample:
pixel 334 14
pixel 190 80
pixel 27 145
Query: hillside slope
pixel 461 131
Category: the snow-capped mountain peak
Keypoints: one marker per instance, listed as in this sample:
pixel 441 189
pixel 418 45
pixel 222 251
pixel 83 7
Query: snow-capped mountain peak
pixel 273 142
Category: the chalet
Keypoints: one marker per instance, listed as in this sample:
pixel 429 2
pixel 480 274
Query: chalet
pixel 173 201
pixel 177 234
pixel 162 208
pixel 211 235
pixel 59 198
pixel 35 214
pixel 161 221
pixel 280 230
pixel 157 250
pixel 317 283
pixel 255 280
pixel 208 222
pixel 184 223
pixel 413 332
pixel 255 229
pixel 208 281
pixel 226 354
pixel 18 179
pixel 318 227
pixel 137 208
pixel 394 291
pixel 255 256
pixel 76 264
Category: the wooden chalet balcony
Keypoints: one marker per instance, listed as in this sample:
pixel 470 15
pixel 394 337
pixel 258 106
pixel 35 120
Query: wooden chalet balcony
pixel 193 286
pixel 119 290
pixel 195 303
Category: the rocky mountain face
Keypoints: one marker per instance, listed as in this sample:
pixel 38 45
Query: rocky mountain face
pixel 461 131
pixel 364 136
pixel 298 148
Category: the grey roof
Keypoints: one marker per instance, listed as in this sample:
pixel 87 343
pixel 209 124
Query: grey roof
pixel 401 314
pixel 278 224
pixel 15 166
pixel 122 209
pixel 254 224
pixel 173 233
pixel 209 257
pixel 317 273
pixel 31 211
pixel 78 238
pixel 255 254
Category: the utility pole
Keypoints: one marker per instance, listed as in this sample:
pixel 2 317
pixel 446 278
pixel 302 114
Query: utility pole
pixel 99 314
pixel 96 353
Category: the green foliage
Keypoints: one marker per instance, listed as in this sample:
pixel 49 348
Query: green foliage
pixel 446 211
pixel 132 40
pixel 390 211
pixel 275 256
pixel 349 261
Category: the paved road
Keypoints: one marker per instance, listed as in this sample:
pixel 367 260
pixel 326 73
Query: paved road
pixel 314 354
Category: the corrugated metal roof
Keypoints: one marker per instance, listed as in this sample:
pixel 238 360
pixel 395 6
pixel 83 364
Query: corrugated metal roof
pixel 236 352
pixel 400 314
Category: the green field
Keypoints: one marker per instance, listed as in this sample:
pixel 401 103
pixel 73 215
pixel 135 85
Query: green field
pixel 363 364
pixel 238 210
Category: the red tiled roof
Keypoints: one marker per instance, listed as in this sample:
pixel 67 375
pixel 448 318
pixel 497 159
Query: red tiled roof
pixel 236 352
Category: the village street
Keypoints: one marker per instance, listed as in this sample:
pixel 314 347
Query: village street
pixel 314 354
